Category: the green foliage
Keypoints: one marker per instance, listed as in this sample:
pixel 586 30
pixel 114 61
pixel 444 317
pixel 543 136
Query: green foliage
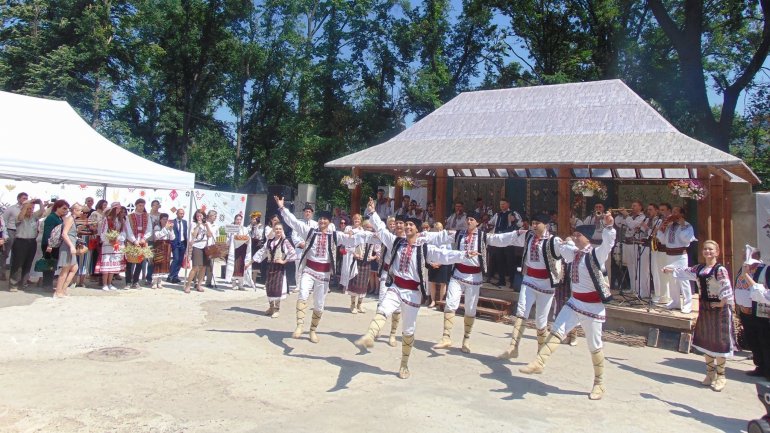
pixel 225 88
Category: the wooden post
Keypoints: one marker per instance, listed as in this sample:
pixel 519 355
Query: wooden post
pixel 431 189
pixel 563 208
pixel 727 248
pixel 716 196
pixel 704 207
pixel 355 194
pixel 398 195
pixel 441 199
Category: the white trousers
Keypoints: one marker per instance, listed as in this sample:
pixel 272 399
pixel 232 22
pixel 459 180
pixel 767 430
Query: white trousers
pixel 568 319
pixel 529 297
pixel 384 291
pixel 677 287
pixel 637 261
pixel 455 289
pixel 407 301
pixel 319 288
pixel 660 292
pixel 644 273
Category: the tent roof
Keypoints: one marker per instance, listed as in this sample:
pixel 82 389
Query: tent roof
pixel 47 140
pixel 600 124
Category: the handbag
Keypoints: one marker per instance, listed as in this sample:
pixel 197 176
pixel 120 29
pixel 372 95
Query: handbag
pixel 54 240
pixel 45 265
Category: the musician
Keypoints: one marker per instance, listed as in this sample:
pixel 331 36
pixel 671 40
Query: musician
pixel 677 234
pixel 646 233
pixel 595 219
pixel 504 258
pixel 659 257
pixel 630 224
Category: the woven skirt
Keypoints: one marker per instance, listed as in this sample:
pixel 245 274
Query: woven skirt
pixel 714 332
pixel 359 284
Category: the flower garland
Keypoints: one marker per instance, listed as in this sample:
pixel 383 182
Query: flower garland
pixel 351 181
pixel 587 187
pixel 406 182
pixel 687 188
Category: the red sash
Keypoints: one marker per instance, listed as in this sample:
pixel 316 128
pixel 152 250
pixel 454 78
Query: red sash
pixel 541 274
pixel 405 284
pixel 592 297
pixel 465 269
pixel 319 267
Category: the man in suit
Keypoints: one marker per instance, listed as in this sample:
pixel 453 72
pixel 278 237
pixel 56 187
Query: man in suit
pixel 178 246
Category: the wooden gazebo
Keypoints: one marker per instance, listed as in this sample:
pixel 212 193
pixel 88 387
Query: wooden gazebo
pixel 563 132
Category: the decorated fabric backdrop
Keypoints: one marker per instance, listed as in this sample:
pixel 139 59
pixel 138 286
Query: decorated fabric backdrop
pixel 47 191
pixel 763 224
pixel 226 204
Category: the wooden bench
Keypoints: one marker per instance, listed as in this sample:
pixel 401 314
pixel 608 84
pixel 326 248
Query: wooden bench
pixel 491 307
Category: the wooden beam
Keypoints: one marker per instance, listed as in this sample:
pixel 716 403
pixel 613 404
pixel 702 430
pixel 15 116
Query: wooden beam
pixel 441 198
pixel 717 195
pixel 727 248
pixel 398 195
pixel 564 206
pixel 355 195
pixel 704 209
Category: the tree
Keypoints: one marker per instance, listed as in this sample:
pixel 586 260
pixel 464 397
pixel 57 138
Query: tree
pixel 726 42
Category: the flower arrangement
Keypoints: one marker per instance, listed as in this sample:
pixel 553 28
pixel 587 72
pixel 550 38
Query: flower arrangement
pixel 589 187
pixel 137 254
pixel 351 181
pixel 687 188
pixel 406 182
pixel 112 235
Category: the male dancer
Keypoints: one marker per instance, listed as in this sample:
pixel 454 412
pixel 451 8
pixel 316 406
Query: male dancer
pixel 406 280
pixel 590 289
pixel 543 270
pixel 316 265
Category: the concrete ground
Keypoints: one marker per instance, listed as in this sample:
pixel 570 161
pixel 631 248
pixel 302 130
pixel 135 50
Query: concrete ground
pixel 213 362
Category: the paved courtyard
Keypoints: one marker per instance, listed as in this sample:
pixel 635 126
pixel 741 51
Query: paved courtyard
pixel 213 362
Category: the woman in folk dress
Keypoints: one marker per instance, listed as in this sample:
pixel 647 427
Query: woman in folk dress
pixel 363 255
pixel 347 258
pixel 277 251
pixel 714 333
pixel 112 260
pixel 238 254
pixel 162 235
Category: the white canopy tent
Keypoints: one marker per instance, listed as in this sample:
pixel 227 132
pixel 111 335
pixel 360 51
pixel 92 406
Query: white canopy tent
pixel 46 140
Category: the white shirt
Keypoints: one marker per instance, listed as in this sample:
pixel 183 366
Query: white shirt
pixel 677 235
pixel 10 215
pixel 456 222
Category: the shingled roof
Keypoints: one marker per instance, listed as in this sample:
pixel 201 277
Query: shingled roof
pixel 599 128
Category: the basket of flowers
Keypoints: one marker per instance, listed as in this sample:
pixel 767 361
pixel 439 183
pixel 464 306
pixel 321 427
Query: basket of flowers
pixel 137 254
pixel 406 182
pixel 351 181
pixel 687 188
pixel 589 187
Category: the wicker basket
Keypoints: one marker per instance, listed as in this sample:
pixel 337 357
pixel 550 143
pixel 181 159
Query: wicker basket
pixel 132 258
pixel 217 251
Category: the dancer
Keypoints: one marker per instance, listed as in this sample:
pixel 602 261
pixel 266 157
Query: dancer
pixel 406 281
pixel 590 289
pixel 363 255
pixel 543 270
pixel 714 333
pixel 276 252
pixel 316 265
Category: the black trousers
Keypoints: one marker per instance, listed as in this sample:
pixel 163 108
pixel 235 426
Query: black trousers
pixel 133 272
pixel 756 331
pixel 22 256
pixel 506 263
